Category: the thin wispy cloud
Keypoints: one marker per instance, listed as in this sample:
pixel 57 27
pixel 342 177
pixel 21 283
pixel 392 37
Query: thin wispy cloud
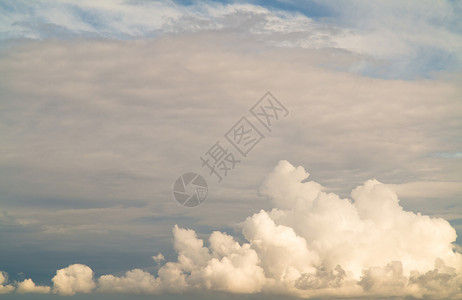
pixel 402 40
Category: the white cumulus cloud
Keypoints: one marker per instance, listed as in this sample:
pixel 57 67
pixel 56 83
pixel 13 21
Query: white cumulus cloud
pixel 312 244
pixel 28 286
pixel 74 279
pixel 4 287
pixel 135 282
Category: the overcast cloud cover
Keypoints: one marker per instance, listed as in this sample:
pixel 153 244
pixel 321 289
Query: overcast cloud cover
pixel 105 103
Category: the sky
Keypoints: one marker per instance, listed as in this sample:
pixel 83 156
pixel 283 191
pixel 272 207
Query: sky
pixel 346 184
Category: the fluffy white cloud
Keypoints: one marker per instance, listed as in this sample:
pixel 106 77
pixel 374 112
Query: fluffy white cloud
pixel 28 286
pixel 74 279
pixel 273 242
pixel 4 287
pixel 312 244
pixel 373 229
pixel 225 266
pixel 134 282
pixel 234 267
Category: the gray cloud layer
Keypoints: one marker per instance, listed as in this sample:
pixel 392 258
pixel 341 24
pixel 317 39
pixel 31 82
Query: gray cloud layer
pixel 95 132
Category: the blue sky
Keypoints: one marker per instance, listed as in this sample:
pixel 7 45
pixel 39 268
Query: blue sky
pixel 105 103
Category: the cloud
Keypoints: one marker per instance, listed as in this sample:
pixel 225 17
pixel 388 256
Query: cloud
pixel 231 267
pixel 386 281
pixel 311 244
pixel 94 129
pixel 427 189
pixel 78 144
pixel 442 282
pixel 422 42
pixel 158 258
pixel 4 287
pixel 73 279
pixel 273 242
pixel 28 286
pixel 356 234
pixel 110 134
pixel 134 282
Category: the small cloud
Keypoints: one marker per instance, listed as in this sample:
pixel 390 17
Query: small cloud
pixel 134 282
pixel 74 279
pixel 5 288
pixel 158 258
pixel 28 286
